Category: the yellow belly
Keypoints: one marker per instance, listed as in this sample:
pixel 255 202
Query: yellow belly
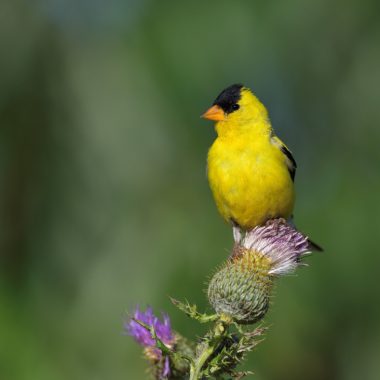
pixel 250 182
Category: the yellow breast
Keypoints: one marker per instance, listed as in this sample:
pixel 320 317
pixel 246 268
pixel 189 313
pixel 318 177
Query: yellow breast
pixel 249 180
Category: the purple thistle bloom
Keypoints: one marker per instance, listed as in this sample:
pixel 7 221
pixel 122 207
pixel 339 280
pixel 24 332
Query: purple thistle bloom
pixel 166 369
pixel 142 335
pixel 280 242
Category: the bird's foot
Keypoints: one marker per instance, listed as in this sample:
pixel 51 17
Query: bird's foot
pixel 237 233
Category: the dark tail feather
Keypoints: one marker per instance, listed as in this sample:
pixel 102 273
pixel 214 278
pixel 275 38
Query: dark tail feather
pixel 314 246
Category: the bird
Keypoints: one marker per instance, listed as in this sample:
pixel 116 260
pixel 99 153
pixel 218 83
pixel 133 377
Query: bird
pixel 251 172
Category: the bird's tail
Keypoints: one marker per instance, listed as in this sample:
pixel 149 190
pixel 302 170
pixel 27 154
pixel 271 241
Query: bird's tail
pixel 314 246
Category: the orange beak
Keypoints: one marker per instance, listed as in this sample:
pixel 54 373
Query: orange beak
pixel 214 113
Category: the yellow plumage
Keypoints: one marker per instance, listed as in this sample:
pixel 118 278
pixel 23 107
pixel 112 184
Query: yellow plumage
pixel 250 170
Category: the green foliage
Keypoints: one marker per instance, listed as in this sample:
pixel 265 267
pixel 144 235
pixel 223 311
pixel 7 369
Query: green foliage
pixel 191 311
pixel 221 349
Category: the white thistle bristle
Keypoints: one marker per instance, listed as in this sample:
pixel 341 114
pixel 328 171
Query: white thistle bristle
pixel 280 242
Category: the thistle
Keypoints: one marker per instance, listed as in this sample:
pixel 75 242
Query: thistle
pixel 164 348
pixel 241 289
pixel 142 335
pixel 239 292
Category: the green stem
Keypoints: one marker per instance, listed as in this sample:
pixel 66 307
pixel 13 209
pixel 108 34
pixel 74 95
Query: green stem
pixel 217 335
pixel 196 368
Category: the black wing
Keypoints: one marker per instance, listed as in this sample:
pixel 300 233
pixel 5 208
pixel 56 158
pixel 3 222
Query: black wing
pixel 293 165
pixel 290 161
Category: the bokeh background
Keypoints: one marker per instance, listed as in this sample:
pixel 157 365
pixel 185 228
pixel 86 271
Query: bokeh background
pixel 103 195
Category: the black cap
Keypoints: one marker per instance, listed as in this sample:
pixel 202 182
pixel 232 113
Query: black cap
pixel 229 97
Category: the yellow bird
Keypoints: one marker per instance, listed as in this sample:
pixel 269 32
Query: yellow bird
pixel 250 170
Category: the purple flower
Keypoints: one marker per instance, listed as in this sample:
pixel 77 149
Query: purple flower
pixel 142 335
pixel 280 243
pixel 166 369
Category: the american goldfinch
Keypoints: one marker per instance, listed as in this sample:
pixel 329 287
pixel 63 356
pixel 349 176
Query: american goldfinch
pixel 250 170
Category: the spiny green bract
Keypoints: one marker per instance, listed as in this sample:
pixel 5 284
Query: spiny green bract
pixel 241 289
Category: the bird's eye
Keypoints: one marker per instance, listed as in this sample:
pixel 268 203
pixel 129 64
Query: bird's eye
pixel 235 106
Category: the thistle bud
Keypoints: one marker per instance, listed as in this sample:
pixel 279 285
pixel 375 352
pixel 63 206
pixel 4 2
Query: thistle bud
pixel 241 289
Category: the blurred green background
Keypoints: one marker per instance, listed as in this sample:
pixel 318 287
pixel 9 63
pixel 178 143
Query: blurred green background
pixel 103 196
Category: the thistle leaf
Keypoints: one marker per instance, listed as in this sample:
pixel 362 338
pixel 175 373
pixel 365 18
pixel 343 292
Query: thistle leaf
pixel 191 311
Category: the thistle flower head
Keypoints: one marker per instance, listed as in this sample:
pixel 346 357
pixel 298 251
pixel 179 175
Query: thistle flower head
pixel 241 288
pixel 280 243
pixel 144 337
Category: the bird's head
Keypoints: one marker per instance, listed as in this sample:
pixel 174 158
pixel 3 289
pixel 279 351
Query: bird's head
pixel 236 109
